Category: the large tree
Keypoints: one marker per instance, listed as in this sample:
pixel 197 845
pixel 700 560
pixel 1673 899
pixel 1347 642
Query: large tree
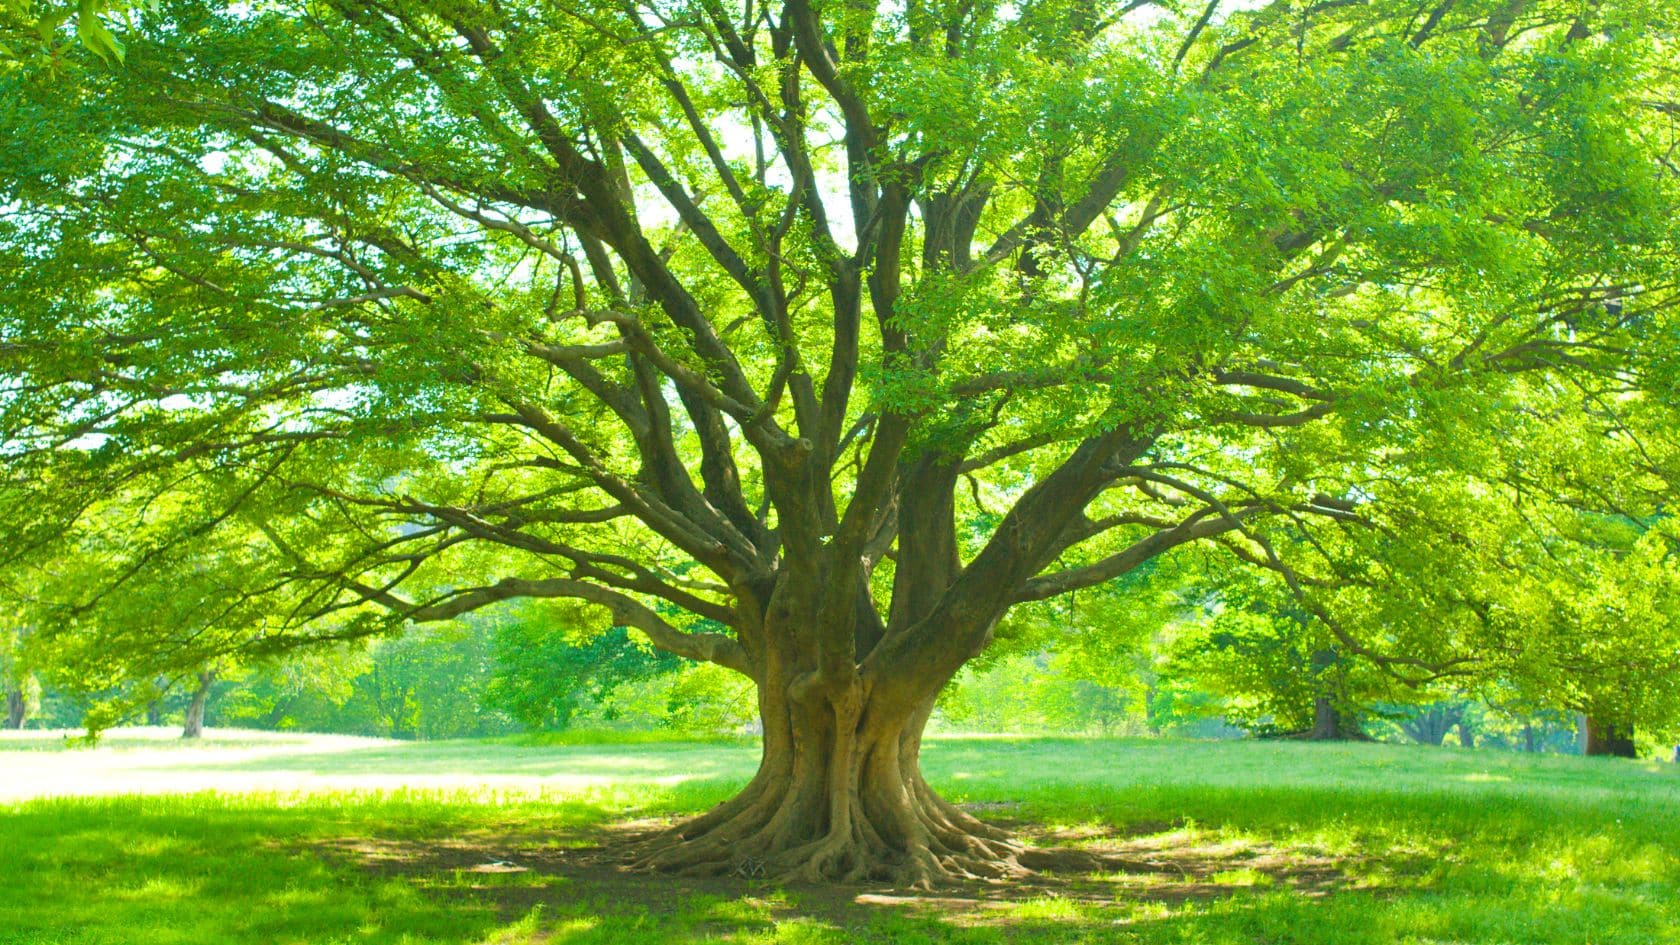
pixel 809 339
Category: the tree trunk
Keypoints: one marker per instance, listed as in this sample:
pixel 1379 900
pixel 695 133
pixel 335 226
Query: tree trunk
pixel 1430 726
pixel 194 725
pixel 1531 738
pixel 1609 739
pixel 1331 724
pixel 1466 735
pixel 838 795
pixel 277 714
pixel 17 708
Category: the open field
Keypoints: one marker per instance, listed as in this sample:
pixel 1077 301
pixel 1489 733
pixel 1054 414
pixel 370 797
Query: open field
pixel 314 839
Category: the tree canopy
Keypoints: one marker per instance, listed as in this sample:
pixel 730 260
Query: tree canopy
pixel 810 339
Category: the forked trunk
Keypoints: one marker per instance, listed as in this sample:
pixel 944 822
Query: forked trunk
pixel 839 795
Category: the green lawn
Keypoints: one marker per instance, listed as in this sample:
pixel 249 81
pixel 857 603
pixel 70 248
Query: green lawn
pixel 307 840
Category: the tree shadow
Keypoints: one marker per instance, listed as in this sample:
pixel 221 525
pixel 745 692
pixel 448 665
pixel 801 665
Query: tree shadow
pixel 161 871
pixel 1075 874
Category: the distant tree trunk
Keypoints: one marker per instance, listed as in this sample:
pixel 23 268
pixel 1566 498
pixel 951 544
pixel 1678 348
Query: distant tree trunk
pixel 1150 692
pixel 1609 739
pixel 1531 738
pixel 1677 754
pixel 194 727
pixel 1430 726
pixel 1332 724
pixel 277 714
pixel 17 708
pixel 1466 735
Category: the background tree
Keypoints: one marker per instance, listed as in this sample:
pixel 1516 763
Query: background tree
pixel 303 691
pixel 192 719
pixel 810 340
pixel 1280 670
pixel 21 687
pixel 547 671
pixel 1429 724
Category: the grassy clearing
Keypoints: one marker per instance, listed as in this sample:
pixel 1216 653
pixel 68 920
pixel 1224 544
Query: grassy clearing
pixel 1223 843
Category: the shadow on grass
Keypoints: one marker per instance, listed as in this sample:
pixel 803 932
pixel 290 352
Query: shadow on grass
pixel 1208 844
pixel 160 871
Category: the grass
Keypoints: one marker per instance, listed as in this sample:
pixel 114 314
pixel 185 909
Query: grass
pixel 318 841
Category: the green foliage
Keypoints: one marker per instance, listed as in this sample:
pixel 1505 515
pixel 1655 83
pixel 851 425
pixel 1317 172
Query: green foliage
pixel 527 669
pixel 1035 693
pixel 1270 663
pixel 304 692
pixel 425 684
pixel 31 29
pixel 336 316
pixel 697 699
pixel 546 675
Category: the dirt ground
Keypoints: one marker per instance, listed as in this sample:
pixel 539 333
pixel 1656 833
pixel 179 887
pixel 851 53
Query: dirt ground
pixel 1161 862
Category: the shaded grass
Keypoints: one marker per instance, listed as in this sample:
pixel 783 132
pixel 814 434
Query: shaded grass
pixel 1233 842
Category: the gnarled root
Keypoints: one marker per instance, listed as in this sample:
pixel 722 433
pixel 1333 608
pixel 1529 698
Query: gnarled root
pixel 917 840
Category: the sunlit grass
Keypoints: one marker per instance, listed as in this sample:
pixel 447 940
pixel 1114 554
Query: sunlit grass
pixel 1235 842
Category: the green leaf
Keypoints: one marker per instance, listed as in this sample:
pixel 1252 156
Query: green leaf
pixel 93 34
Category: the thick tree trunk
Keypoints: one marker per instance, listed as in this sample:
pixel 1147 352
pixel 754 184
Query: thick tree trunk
pixel 839 795
pixel 1331 724
pixel 194 724
pixel 17 708
pixel 1609 739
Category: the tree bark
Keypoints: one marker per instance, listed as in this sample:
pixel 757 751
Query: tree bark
pixel 838 796
pixel 17 708
pixel 194 724
pixel 1332 724
pixel 1607 739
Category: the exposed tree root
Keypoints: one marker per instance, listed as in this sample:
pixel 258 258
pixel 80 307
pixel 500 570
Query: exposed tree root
pixel 921 843
pixel 838 798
